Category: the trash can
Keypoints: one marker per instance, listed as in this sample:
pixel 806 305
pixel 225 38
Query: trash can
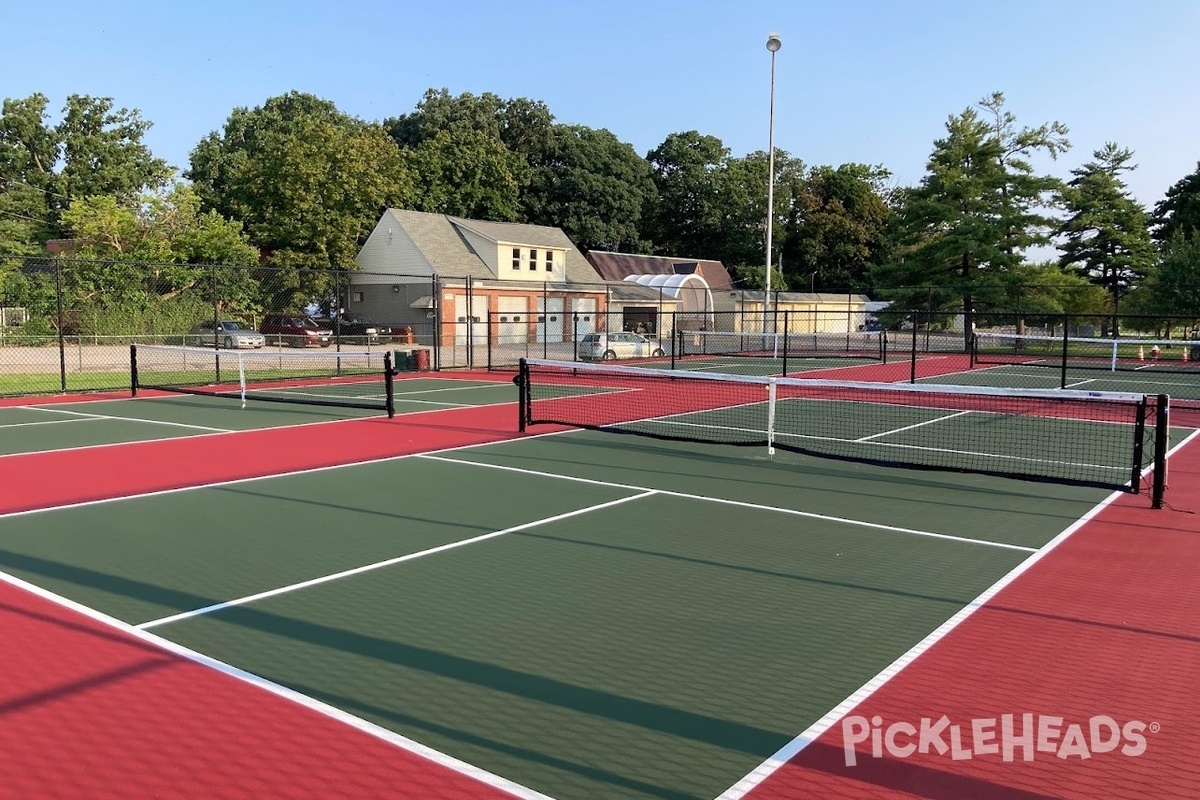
pixel 404 360
pixel 1195 354
pixel 421 360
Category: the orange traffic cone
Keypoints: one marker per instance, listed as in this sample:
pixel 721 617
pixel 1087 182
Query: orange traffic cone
pixel 1141 353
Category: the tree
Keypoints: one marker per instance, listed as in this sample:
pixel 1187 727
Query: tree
pixel 464 173
pixel 308 181
pixel 103 153
pixel 139 251
pixel 593 186
pixel 979 206
pixel 1173 285
pixel 840 221
pixel 94 150
pixel 1106 237
pixel 686 215
pixel 476 154
pixel 1179 211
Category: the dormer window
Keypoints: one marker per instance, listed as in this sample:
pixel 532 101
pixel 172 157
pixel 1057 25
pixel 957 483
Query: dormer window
pixel 516 258
pixel 533 260
pixel 549 261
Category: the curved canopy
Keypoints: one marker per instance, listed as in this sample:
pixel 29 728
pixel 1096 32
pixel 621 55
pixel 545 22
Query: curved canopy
pixel 689 290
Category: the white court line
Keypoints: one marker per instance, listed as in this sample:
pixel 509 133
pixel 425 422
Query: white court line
pixel 910 427
pixel 290 695
pixel 860 695
pixel 241 601
pixel 738 503
pixel 237 481
pixel 43 422
pixel 125 419
pixel 221 432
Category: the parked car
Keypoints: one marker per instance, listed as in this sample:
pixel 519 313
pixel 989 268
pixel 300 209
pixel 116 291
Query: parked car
pixel 294 331
pixel 608 346
pixel 227 333
pixel 355 328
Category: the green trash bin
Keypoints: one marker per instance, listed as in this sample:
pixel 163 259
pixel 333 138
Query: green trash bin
pixel 403 361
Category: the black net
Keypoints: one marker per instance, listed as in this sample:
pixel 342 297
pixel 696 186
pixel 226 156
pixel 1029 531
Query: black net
pixel 1112 355
pixel 326 378
pixel 1103 439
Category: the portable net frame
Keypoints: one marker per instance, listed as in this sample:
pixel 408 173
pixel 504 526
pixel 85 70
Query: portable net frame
pixel 1066 352
pixel 784 345
pixel 1104 439
pixel 338 379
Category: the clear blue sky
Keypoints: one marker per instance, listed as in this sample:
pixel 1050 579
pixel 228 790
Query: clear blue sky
pixel 858 80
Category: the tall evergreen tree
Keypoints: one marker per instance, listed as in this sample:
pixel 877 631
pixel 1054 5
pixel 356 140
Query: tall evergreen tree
pixel 979 206
pixel 1105 236
pixel 1179 211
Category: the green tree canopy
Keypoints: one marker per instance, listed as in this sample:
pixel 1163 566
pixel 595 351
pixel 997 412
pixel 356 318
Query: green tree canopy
pixel 593 186
pixel 686 216
pixel 1105 236
pixel 841 217
pixel 308 181
pixel 979 206
pixel 95 149
pixel 1179 211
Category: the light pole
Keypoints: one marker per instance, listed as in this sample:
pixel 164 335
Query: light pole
pixel 773 45
pixel 812 284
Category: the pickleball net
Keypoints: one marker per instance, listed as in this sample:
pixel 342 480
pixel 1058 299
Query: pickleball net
pixel 1111 440
pixel 337 379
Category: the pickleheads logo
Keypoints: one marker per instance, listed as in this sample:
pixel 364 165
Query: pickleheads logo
pixel 1010 737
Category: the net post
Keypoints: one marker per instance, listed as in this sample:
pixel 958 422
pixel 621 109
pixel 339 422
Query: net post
pixel 912 369
pixel 787 327
pixel 133 373
pixel 771 395
pixel 522 395
pixel 1139 440
pixel 1066 343
pixel 389 384
pixel 1162 443
pixel 241 364
pixel 676 334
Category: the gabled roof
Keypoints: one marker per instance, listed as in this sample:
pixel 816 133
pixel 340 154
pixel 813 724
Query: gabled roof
pixel 442 242
pixel 616 266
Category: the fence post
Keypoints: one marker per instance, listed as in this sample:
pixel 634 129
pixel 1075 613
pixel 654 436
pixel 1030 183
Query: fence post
pixel 574 333
pixel 435 295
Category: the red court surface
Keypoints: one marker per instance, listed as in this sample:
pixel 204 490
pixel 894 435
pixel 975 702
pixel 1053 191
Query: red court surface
pixel 88 709
pixel 1106 625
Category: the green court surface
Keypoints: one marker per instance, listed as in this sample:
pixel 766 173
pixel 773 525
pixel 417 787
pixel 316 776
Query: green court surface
pixel 1179 385
pixel 58 426
pixel 620 618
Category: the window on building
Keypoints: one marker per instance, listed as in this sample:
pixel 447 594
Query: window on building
pixel 356 297
pixel 533 259
pixel 516 258
pixel 549 261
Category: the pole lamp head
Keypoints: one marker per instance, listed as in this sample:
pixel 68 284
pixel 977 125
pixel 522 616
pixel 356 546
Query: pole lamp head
pixel 774 42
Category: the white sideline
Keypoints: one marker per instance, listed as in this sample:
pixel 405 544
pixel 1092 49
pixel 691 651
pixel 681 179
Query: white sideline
pixel 821 726
pixel 359 724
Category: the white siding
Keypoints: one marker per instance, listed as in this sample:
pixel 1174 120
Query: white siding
pixel 485 248
pixel 389 249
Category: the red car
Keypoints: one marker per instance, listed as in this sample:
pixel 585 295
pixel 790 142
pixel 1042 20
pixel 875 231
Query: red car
pixel 294 331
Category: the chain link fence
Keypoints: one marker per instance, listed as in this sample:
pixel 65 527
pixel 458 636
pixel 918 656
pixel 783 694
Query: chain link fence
pixel 65 323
